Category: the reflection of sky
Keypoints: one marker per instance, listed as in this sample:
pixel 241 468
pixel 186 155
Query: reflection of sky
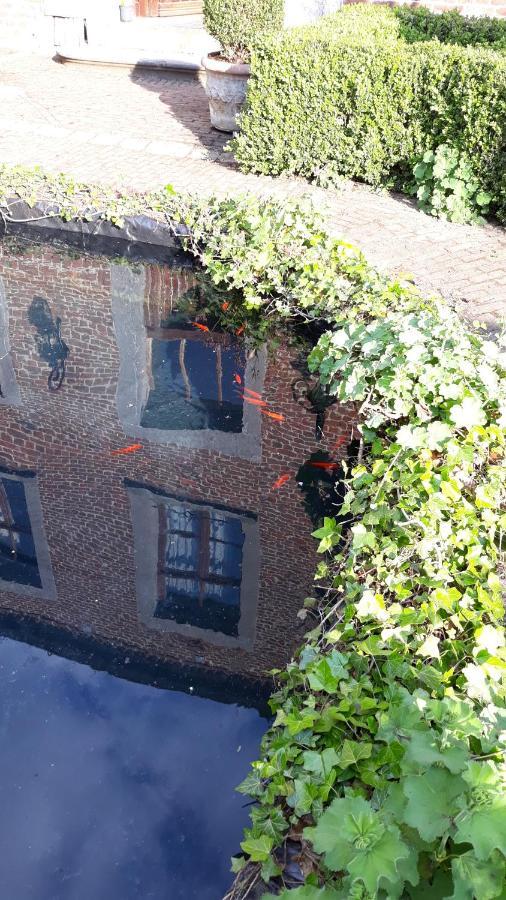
pixel 111 790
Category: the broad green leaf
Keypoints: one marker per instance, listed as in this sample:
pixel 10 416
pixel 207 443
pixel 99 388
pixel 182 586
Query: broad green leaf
pixel 431 801
pixel 474 878
pixel 307 892
pixel 484 827
pixel 354 839
pixel 424 750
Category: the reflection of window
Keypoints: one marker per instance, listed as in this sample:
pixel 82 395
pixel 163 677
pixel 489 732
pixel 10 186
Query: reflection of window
pixel 197 567
pixel 24 557
pixel 176 384
pixel 191 382
pixel 18 560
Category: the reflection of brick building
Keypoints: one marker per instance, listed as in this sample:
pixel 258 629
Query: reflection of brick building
pixel 103 524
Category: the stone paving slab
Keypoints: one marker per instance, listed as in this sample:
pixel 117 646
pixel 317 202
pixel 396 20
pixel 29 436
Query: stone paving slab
pixel 139 130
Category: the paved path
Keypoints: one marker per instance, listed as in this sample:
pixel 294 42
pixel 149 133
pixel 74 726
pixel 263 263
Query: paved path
pixel 138 130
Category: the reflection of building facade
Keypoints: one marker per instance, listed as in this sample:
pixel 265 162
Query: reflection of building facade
pixel 180 551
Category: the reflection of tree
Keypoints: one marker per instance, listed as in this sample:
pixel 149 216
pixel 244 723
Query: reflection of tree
pixel 323 489
pixel 50 344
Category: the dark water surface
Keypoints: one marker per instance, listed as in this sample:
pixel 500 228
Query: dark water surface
pixel 155 550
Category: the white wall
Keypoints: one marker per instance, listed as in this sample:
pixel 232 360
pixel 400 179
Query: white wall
pixel 301 12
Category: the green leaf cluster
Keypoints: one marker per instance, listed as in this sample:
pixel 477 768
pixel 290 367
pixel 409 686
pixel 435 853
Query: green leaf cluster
pixel 240 24
pixel 387 747
pixel 445 186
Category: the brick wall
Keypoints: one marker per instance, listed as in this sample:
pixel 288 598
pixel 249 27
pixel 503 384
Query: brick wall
pixel 67 438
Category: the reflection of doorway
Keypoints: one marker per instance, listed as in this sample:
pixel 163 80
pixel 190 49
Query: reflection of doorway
pixel 169 7
pixel 9 393
pixel 25 567
pixel 197 567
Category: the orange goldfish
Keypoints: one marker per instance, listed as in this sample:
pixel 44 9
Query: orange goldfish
pixel 272 415
pixel 240 330
pixel 281 481
pixel 225 306
pixel 254 401
pixel 124 450
pixel 237 379
pixel 253 393
pixel 324 465
pixel 198 325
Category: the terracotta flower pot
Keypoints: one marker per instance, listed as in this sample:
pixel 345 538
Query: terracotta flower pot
pixel 226 85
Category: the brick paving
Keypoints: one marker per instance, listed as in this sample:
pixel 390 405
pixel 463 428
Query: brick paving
pixel 140 130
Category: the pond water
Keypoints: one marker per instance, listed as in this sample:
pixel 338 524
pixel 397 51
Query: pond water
pixel 159 481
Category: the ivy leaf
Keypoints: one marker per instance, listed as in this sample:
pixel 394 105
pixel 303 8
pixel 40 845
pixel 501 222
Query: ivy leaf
pixel 270 869
pixel 321 677
pixel 362 537
pixel 303 796
pixel 237 864
pixel 258 848
pixel 320 763
pixel 372 606
pixel 474 878
pixel 252 784
pixel 431 801
pixel 437 434
pixel 468 414
pixel 429 647
pixel 352 752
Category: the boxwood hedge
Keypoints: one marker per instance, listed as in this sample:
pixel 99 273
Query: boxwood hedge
pixel 352 91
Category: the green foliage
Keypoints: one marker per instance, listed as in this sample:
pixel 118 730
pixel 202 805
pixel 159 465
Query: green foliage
pixel 351 97
pixel 387 746
pixel 239 25
pixel 386 753
pixel 445 186
pixel 451 28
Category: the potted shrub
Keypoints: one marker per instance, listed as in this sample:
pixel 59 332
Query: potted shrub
pixel 237 25
pixel 127 10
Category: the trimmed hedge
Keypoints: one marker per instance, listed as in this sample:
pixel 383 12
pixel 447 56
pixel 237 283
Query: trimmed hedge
pixel 451 28
pixel 238 24
pixel 351 92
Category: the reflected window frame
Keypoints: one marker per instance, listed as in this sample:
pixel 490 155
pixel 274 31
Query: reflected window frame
pixel 47 591
pixel 134 380
pixel 9 391
pixel 147 507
